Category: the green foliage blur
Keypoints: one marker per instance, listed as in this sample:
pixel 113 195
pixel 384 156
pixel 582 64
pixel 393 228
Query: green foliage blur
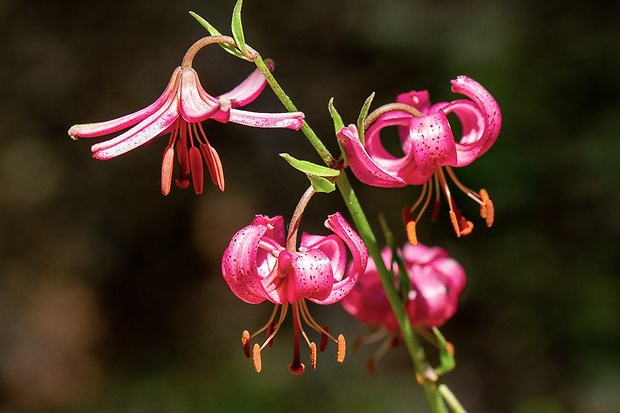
pixel 111 298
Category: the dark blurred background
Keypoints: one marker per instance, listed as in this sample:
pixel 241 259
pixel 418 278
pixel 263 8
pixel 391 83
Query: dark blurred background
pixel 111 298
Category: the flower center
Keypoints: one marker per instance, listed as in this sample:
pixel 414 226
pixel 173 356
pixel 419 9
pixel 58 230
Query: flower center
pixel 192 148
pixel 300 312
pixel 437 186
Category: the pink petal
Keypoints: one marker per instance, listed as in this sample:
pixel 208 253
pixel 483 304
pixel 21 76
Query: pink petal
pixel 239 265
pixel 486 103
pixel 432 144
pixel 275 227
pixel 362 165
pixel 293 120
pixel 473 123
pixel 420 100
pixel 404 167
pixel 340 227
pixel 332 246
pixel 248 90
pixel 90 130
pixel 305 275
pixel 151 127
pixel 195 105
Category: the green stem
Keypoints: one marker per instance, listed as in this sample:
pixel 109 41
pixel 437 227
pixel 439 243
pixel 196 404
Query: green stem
pixel 316 143
pixel 414 347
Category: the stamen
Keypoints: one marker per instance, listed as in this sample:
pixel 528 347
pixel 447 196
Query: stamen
pixel 305 314
pixel 245 342
pixel 437 203
pixel 411 233
pixel 410 225
pixel 258 365
pixel 324 339
pixel 313 355
pixel 342 349
pixel 387 344
pixel 486 209
pixel 455 223
pixel 195 161
pixel 270 331
pixel 167 166
pixel 214 165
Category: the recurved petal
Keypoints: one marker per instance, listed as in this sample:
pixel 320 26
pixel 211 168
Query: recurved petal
pixel 359 260
pixel 195 104
pixel 275 227
pixel 291 120
pixel 418 99
pixel 362 165
pixel 488 105
pixel 473 126
pixel 404 167
pixel 239 264
pixel 332 246
pixel 248 90
pixel 91 130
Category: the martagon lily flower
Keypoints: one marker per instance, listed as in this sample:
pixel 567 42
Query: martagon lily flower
pixel 429 147
pixel 179 112
pixel 261 264
pixel 437 281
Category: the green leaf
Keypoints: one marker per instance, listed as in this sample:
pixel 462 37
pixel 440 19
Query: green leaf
pixel 446 359
pixel 237 28
pixel 338 124
pixel 214 32
pixel 362 117
pixel 310 168
pixel 321 184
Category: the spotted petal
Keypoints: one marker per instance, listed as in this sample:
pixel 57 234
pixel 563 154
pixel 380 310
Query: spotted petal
pixel 340 289
pixel 363 165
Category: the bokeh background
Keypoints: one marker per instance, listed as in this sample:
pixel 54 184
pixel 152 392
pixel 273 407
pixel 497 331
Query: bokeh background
pixel 111 298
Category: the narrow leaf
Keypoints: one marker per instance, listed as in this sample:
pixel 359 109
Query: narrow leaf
pixel 321 184
pixel 214 32
pixel 237 28
pixel 338 124
pixel 309 167
pixel 362 117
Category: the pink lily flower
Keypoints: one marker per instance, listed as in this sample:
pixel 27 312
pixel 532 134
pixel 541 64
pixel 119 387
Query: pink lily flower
pixel 257 267
pixel 179 112
pixel 437 281
pixel 429 146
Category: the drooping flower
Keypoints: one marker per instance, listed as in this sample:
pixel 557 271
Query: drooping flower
pixel 179 112
pixel 437 281
pixel 429 146
pixel 258 267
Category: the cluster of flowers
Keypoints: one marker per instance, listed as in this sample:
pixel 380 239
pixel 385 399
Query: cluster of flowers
pixel 263 262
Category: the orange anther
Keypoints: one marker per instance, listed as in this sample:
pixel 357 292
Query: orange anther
pixel 313 355
pixel 412 236
pixel 486 210
pixel 258 365
pixel 245 342
pixel 342 348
